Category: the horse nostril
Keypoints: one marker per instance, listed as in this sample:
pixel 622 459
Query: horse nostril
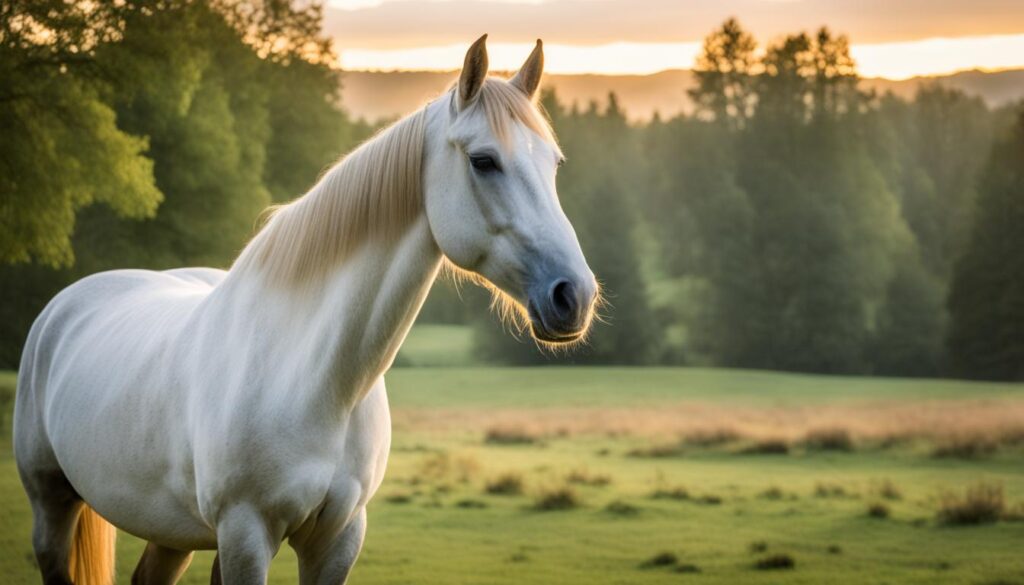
pixel 563 299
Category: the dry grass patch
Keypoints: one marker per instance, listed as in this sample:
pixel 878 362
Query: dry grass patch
pixel 775 562
pixel 829 490
pixel 965 446
pixel 511 435
pixel 773 493
pixel 658 451
pixel 981 503
pixel 621 508
pixel 879 510
pixel 584 477
pixel 557 498
pixel 441 467
pixel 886 489
pixel 774 446
pixel 829 439
pixel 670 493
pixel 706 423
pixel 712 437
pixel 398 498
pixel 506 484
pixel 662 559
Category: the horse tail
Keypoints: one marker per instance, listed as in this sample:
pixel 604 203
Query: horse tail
pixel 92 550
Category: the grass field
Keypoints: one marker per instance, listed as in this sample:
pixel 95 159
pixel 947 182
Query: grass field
pixel 616 475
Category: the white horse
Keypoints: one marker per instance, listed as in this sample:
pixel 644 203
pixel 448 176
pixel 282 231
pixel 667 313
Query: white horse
pixel 202 409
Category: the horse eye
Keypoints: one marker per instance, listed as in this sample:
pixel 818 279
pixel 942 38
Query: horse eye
pixel 483 163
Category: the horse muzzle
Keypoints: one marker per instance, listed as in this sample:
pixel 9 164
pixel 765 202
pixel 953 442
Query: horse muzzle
pixel 560 308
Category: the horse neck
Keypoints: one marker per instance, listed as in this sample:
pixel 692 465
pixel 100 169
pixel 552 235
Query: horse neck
pixel 341 331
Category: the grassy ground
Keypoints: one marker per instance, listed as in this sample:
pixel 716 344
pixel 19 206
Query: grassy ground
pixel 602 441
pixel 437 345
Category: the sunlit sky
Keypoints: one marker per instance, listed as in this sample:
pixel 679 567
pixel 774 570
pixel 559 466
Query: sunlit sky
pixel 896 39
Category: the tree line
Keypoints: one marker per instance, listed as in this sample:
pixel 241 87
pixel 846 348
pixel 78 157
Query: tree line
pixel 794 221
pixel 790 221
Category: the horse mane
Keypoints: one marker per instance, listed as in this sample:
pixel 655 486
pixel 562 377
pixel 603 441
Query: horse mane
pixel 374 192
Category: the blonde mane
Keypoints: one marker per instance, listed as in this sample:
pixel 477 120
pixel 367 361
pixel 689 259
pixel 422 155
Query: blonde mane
pixel 375 192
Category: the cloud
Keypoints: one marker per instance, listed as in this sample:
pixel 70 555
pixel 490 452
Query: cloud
pixel 402 24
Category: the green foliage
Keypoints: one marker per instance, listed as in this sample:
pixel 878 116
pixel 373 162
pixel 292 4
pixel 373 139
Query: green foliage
pixel 64 150
pixel 724 74
pixel 309 131
pixel 188 116
pixel 807 225
pixel 986 303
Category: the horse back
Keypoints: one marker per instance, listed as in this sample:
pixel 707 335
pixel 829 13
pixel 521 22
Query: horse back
pixel 105 329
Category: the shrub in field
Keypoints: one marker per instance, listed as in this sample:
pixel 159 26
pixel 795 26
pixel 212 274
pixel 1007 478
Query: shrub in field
pixel 981 503
pixel 831 439
pixel 506 484
pixel 712 437
pixel 470 504
pixel 670 493
pixel 558 498
pixel 878 510
pixel 965 447
pixel 886 489
pixel 710 499
pixel 443 466
pixel 829 490
pixel 767 447
pixel 662 559
pixel 399 498
pixel 834 549
pixel 775 561
pixel 773 493
pixel 508 435
pixel 758 546
pixel 620 508
pixel 658 451
pixel 584 477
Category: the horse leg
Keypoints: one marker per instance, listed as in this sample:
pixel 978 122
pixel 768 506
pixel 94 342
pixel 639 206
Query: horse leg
pixel 245 547
pixel 328 561
pixel 160 565
pixel 215 572
pixel 55 511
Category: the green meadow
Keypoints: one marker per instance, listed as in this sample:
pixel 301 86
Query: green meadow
pixel 667 475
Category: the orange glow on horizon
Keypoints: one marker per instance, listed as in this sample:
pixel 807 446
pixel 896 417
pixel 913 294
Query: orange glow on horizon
pixel 897 60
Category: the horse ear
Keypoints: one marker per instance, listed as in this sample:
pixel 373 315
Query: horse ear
pixel 474 71
pixel 528 77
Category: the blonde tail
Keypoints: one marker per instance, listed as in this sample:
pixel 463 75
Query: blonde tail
pixel 92 550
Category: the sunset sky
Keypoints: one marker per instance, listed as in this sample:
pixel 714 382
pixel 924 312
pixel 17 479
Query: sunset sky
pixel 891 38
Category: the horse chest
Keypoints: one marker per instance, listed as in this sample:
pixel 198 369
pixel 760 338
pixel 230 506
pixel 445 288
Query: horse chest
pixel 292 471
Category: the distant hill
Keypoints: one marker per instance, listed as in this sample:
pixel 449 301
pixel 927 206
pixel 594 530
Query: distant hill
pixel 376 95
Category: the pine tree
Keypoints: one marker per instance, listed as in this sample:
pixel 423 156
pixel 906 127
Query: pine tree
pixel 986 300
